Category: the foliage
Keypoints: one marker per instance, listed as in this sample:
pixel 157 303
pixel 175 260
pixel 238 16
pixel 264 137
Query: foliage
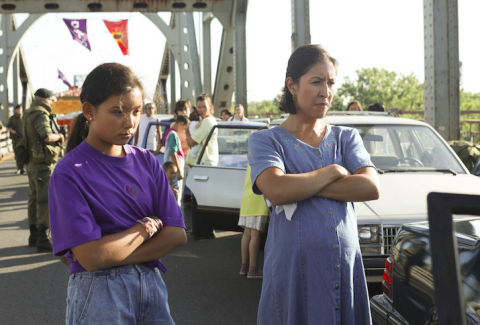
pixel 375 85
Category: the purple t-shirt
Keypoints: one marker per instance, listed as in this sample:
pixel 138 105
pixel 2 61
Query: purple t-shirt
pixel 92 195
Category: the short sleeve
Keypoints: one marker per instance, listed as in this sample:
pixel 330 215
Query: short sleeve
pixel 71 224
pixel 263 152
pixel 41 123
pixel 202 132
pixel 355 155
pixel 172 142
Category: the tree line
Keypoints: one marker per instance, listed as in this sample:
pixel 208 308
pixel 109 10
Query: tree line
pixel 373 85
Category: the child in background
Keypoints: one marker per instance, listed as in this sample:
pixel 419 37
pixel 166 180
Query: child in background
pixel 254 219
pixel 174 152
pixel 171 170
pixel 195 123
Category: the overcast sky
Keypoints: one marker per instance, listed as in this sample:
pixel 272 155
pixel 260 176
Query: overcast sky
pixel 360 34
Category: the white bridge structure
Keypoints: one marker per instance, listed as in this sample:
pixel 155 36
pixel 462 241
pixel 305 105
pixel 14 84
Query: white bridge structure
pixel 440 31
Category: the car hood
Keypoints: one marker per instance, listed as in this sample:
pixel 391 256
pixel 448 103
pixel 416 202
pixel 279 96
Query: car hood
pixel 403 196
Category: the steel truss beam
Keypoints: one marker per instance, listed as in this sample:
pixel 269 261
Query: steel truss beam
pixel 9 48
pixel 442 74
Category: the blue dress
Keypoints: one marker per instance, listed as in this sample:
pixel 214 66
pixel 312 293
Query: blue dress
pixel 313 270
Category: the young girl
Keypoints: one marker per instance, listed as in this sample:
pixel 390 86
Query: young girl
pixel 254 218
pixel 112 213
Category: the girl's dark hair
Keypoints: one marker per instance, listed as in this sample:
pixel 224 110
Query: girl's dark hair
pixel 182 119
pixel 182 105
pixel 103 82
pixel 301 60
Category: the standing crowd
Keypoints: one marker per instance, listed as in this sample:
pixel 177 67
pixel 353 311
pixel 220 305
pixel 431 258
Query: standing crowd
pixel 114 211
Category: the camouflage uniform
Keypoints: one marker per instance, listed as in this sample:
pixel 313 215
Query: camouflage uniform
pixel 15 123
pixel 42 159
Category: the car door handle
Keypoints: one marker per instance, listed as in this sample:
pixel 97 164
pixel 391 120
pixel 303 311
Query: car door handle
pixel 200 178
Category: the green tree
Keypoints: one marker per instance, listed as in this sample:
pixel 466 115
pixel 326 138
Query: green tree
pixel 375 85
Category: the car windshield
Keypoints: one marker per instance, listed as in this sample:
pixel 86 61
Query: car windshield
pixel 233 147
pixel 407 148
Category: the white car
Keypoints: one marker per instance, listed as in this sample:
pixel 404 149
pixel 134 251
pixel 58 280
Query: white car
pixel 411 157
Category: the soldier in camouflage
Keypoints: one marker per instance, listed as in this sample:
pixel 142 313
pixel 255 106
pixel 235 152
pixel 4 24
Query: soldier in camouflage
pixel 14 126
pixel 44 147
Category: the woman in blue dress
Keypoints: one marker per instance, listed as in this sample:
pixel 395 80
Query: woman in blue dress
pixel 309 172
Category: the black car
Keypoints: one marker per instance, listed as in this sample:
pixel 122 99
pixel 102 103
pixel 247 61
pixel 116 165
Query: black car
pixel 408 287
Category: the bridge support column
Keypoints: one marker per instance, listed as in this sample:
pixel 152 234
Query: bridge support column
pixel 442 74
pixel 241 54
pixel 300 23
pixel 207 53
pixel 173 82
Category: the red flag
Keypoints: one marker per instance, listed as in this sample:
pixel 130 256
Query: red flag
pixel 119 31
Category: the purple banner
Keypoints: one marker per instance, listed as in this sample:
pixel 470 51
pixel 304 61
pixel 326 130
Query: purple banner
pixel 64 79
pixel 78 29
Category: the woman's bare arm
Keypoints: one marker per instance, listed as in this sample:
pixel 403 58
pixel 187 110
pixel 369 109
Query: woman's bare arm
pixel 166 241
pixel 281 189
pixel 363 185
pixel 110 250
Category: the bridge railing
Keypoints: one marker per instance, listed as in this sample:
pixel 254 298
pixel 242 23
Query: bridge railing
pixel 5 144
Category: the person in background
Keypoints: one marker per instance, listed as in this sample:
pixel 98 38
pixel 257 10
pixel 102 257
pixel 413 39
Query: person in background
pixel 44 148
pixel 225 114
pixel 174 152
pixel 310 172
pixel 210 158
pixel 112 213
pixel 195 123
pixel 377 107
pixel 171 170
pixel 354 106
pixel 239 115
pixel 254 219
pixel 14 126
pixel 182 107
pixel 154 137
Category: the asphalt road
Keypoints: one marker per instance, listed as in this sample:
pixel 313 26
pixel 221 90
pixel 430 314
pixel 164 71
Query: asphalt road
pixel 203 282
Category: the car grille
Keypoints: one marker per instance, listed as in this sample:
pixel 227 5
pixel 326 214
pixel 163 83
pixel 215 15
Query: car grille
pixel 389 234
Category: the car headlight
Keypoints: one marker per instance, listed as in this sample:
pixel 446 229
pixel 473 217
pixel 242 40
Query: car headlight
pixel 368 234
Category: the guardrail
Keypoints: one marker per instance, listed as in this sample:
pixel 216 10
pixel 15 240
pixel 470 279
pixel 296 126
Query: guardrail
pixel 5 144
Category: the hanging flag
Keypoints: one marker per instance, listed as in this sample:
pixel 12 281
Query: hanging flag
pixel 64 79
pixel 119 31
pixel 78 29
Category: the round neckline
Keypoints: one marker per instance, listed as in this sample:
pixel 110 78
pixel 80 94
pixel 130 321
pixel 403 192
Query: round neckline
pixel 95 153
pixel 327 132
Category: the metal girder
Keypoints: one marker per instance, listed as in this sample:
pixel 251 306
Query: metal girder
pixel 300 23
pixel 207 52
pixel 173 84
pixel 9 47
pixel 197 74
pixel 442 83
pixel 48 6
pixel 240 57
pixel 224 84
pixel 180 44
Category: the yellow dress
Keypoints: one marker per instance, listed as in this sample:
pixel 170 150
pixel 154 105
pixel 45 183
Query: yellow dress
pixel 253 209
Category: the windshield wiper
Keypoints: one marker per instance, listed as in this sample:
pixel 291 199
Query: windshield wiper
pixel 409 170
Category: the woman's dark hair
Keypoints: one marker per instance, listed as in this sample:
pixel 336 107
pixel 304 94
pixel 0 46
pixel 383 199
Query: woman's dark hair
pixel 103 82
pixel 354 102
pixel 182 105
pixel 301 60
pixel 226 111
pixel 205 98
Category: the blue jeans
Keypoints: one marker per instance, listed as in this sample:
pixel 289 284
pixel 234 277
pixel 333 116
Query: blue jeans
pixel 132 294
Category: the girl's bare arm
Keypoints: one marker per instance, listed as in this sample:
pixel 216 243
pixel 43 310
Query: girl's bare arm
pixel 166 241
pixel 110 250
pixel 363 185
